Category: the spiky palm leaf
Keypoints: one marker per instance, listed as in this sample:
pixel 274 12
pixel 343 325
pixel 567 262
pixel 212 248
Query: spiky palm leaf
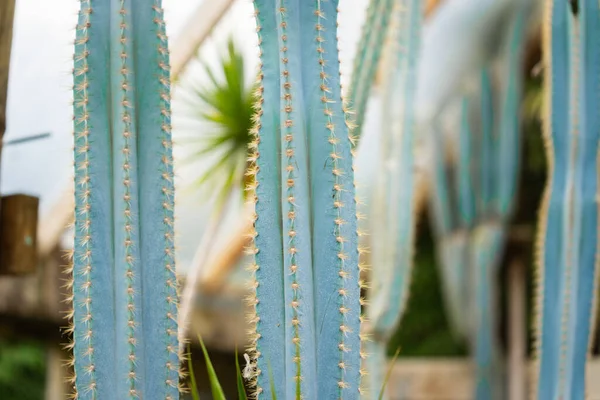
pixel 223 107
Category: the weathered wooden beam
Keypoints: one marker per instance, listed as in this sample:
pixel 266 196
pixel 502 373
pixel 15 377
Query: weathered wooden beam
pixel 18 234
pixel 7 12
pixel 195 32
pixel 453 379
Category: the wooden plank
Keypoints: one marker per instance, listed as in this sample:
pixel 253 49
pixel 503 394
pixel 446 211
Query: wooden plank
pixel 517 330
pixel 7 12
pixel 195 32
pixel 18 234
pixel 453 379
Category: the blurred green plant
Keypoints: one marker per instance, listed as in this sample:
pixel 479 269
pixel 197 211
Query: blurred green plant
pixel 22 370
pixel 224 109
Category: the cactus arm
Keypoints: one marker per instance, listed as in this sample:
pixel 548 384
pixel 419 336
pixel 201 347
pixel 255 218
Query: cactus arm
pixel 465 191
pixel 509 130
pixel 156 188
pixel 487 181
pixel 334 240
pixel 125 299
pixel 393 221
pixel 573 204
pixel 550 255
pixel 268 340
pixel 585 281
pixel 93 351
pixel 367 59
pixel 487 241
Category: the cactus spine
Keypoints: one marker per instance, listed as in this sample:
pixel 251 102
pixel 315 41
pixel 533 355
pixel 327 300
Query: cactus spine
pixel 307 302
pixel 568 236
pixel 392 207
pixel 124 284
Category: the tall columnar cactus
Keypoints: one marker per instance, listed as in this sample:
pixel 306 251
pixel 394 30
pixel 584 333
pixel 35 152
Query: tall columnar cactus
pixel 568 235
pixel 307 291
pixel 392 217
pixel 124 284
pixel 486 175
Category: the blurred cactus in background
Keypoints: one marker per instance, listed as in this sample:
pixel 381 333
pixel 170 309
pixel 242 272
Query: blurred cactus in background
pixel 124 283
pixel 306 274
pixel 391 203
pixel 471 203
pixel 567 270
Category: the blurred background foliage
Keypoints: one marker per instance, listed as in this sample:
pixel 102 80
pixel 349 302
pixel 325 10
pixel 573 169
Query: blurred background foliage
pixel 22 370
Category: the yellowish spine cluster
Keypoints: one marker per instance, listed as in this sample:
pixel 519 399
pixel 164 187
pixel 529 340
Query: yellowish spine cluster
pixel 291 211
pixel 337 172
pixel 128 136
pixel 172 371
pixel 253 171
pixel 83 212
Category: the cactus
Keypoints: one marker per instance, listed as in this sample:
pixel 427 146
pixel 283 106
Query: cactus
pixel 306 338
pixel 124 285
pixel 567 265
pixel 392 219
pixel 471 242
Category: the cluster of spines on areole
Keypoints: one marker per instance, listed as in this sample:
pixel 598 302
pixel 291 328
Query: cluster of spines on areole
pixel 128 136
pixel 172 370
pixel 289 183
pixel 253 170
pixel 337 172
pixel 83 254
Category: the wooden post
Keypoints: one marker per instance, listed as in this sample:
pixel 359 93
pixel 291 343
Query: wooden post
pixel 18 234
pixel 517 334
pixel 7 12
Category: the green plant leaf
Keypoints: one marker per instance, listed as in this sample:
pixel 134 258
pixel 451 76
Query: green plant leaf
pixel 215 386
pixel 240 381
pixel 224 107
pixel 195 394
pixel 388 374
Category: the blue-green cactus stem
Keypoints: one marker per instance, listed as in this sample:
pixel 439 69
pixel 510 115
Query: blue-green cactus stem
pixel 509 132
pixel 333 206
pixel 487 181
pixel 93 315
pixel 465 169
pixel 487 241
pixel 367 60
pixel 306 267
pixel 125 300
pixel 157 188
pixel 393 214
pixel 568 251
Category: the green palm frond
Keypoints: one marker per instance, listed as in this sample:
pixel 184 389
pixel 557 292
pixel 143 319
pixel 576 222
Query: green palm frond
pixel 223 107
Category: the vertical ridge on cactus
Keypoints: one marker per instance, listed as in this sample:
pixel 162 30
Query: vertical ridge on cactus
pixel 125 295
pixel 568 246
pixel 307 295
